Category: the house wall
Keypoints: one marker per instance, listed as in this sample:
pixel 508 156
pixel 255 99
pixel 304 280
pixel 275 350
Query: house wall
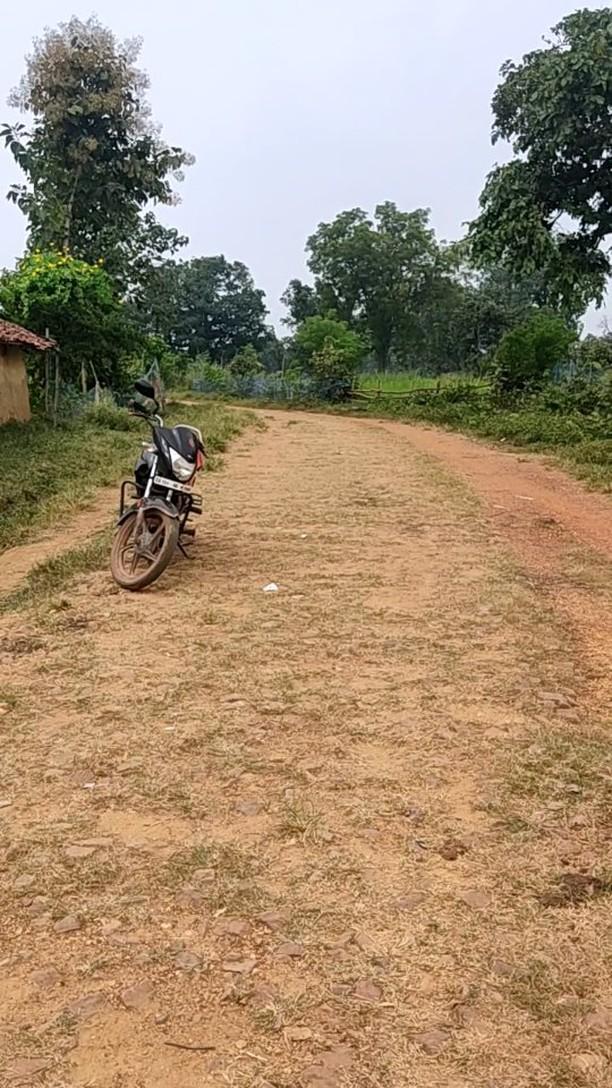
pixel 14 396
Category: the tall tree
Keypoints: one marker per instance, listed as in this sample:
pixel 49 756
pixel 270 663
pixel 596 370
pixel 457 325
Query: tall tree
pixel 301 301
pixel 374 273
pixel 206 306
pixel 93 160
pixel 549 210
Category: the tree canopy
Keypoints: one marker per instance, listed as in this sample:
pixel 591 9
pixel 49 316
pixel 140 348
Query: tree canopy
pixel 301 301
pixel 77 303
pixel 374 272
pixel 549 210
pixel 93 160
pixel 206 306
pixel 415 301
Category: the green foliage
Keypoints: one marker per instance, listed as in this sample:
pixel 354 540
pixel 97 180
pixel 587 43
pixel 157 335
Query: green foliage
pixel 527 354
pixel 466 313
pixel 107 415
pixel 301 301
pixel 212 376
pixel 594 354
pixel 327 347
pixel 245 363
pixel 206 306
pixel 92 158
pixel 403 381
pixel 420 304
pixel 43 477
pixel 556 419
pixel 374 273
pixel 153 352
pixel 550 209
pixel 76 302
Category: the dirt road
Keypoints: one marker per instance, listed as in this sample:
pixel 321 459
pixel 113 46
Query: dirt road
pixel 352 833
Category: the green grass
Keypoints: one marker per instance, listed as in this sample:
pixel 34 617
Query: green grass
pixel 48 474
pixel 53 575
pixel 64 491
pixel 581 441
pixel 407 380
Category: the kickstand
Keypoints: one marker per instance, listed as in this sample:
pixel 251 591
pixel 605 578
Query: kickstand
pixel 186 554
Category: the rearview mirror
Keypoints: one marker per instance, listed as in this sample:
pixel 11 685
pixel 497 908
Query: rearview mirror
pixel 137 409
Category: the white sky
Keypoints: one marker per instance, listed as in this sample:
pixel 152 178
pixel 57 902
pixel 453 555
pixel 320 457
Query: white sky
pixel 298 109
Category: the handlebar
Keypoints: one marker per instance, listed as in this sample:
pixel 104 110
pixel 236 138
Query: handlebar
pixel 136 409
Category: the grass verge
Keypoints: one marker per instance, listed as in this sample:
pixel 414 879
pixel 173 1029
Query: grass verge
pixel 582 442
pixel 66 491
pixel 403 381
pixel 49 474
pixel 53 575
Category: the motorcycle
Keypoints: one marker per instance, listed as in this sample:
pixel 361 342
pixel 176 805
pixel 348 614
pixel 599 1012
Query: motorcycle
pixel 153 520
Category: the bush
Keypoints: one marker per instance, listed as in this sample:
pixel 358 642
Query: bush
pixel 246 363
pixel 77 303
pixel 527 354
pixel 108 415
pixel 328 348
pixel 594 353
pixel 208 377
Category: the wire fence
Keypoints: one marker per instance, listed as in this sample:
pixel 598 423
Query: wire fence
pixel 62 401
pixel 275 387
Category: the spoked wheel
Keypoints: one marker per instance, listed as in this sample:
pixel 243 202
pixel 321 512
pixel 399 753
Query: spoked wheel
pixel 138 558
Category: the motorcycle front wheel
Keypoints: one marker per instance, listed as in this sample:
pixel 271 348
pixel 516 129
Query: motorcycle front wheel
pixel 136 563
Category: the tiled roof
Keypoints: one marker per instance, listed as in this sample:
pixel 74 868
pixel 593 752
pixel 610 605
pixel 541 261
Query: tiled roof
pixel 23 338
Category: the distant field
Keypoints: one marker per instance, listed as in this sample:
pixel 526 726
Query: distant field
pixel 405 380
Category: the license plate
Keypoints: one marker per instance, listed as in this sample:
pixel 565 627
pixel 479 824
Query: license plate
pixel 172 485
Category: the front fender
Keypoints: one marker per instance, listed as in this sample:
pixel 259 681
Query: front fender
pixel 164 507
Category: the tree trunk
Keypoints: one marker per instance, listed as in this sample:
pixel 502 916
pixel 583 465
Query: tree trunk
pixel 56 391
pixel 69 210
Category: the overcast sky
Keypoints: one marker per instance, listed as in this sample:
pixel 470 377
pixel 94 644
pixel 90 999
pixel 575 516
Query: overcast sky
pixel 298 109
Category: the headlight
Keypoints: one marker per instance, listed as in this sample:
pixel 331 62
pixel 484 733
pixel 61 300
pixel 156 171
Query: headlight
pixel 182 469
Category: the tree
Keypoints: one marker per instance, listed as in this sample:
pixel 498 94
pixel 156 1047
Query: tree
pixel 466 313
pixel 206 306
pixel 246 363
pixel 78 304
pixel 549 210
pixel 318 338
pixel 92 158
pixel 527 354
pixel 594 354
pixel 375 273
pixel 301 301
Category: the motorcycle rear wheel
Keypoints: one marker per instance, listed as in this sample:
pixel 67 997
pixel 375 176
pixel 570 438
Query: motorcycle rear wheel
pixel 134 567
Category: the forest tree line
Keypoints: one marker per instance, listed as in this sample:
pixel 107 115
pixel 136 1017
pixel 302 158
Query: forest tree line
pixel 106 277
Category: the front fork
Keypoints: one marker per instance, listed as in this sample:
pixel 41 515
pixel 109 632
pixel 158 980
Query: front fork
pixel 140 514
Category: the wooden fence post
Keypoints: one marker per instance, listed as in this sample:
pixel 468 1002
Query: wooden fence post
pixel 56 389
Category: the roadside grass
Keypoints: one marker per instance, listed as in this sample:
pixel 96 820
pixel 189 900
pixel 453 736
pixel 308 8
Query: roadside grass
pixel 562 765
pixel 302 820
pixel 407 380
pixel 582 442
pixel 114 452
pixel 54 574
pixel 49 474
